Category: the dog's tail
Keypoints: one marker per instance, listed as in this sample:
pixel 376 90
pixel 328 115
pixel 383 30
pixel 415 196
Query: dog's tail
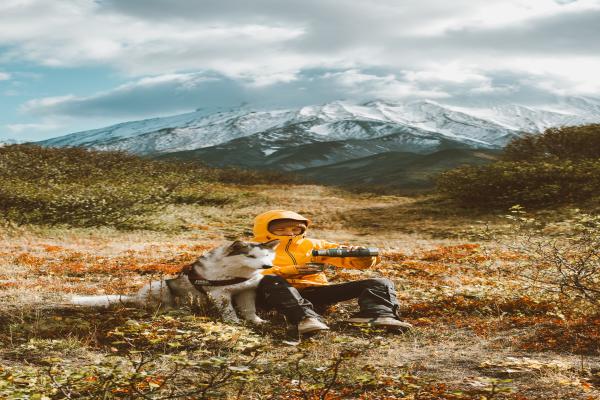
pixel 101 301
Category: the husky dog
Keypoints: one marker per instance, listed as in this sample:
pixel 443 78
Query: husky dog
pixel 223 275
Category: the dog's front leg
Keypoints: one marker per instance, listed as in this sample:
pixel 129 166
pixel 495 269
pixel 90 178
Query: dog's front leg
pixel 155 294
pixel 246 302
pixel 222 300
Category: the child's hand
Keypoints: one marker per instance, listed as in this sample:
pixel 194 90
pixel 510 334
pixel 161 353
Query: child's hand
pixel 350 247
pixel 310 268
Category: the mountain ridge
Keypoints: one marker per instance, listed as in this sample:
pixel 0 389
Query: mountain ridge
pixel 488 127
pixel 317 141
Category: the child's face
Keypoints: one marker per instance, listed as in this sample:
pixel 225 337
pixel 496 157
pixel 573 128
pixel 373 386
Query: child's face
pixel 287 228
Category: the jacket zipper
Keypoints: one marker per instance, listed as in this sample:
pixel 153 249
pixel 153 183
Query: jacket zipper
pixel 290 254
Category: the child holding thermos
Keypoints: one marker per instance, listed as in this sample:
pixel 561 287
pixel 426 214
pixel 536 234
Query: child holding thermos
pixel 296 284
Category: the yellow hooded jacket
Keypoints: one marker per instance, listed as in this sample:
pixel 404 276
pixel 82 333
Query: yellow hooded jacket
pixel 297 250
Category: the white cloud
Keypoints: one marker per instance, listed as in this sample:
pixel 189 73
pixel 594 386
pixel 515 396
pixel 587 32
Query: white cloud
pixel 161 94
pixel 131 90
pixel 66 33
pixel 453 72
pixel 45 102
pixel 562 76
pixel 27 128
pixel 488 89
pixel 183 81
pixel 190 53
pixel 172 93
pixel 268 41
pixel 4 76
pixel 384 87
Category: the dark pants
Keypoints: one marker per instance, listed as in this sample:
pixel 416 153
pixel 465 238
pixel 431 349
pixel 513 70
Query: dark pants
pixel 376 297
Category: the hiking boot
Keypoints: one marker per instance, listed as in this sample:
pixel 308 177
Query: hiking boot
pixel 383 322
pixel 311 325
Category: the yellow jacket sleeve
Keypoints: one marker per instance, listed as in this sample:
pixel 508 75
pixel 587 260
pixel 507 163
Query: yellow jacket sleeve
pixel 285 270
pixel 344 262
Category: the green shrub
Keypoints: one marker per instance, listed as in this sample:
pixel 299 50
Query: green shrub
pixel 78 204
pixel 159 357
pixel 560 259
pixel 84 188
pixel 560 166
pixel 563 143
pixel 534 184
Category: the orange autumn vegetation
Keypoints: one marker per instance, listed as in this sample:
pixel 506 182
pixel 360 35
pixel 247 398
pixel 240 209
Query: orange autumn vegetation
pixel 56 260
pixel 462 304
pixel 549 326
pixel 84 272
pixel 457 253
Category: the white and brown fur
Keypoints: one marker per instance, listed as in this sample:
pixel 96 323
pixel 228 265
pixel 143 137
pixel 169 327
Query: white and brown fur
pixel 238 260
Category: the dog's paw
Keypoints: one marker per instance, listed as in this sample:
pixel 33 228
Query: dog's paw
pixel 257 321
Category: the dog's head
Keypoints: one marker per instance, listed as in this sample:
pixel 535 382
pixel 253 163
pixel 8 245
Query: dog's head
pixel 252 254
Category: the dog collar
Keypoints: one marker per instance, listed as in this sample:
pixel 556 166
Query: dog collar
pixel 199 280
pixel 224 282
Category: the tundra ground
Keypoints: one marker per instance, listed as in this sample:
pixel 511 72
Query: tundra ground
pixel 480 332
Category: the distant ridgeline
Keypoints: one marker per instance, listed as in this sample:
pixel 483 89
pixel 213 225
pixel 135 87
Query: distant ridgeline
pixel 84 187
pixel 560 166
pixel 390 145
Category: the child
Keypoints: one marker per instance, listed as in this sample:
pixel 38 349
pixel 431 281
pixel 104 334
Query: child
pixel 292 288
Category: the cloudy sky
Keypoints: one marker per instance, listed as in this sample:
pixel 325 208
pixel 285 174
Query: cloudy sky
pixel 69 65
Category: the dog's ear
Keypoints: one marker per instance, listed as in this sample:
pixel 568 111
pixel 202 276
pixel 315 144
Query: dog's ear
pixel 271 244
pixel 236 248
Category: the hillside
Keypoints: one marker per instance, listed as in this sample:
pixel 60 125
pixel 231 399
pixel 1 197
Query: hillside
pixel 397 170
pixel 292 149
pixel 502 308
pixel 482 331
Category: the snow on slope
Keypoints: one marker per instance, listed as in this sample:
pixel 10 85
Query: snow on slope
pixel 486 127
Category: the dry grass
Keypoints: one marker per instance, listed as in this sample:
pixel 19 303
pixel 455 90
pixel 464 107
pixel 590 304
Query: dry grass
pixel 479 332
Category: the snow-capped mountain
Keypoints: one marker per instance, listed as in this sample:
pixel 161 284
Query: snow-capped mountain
pixel 423 125
pixel 379 142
